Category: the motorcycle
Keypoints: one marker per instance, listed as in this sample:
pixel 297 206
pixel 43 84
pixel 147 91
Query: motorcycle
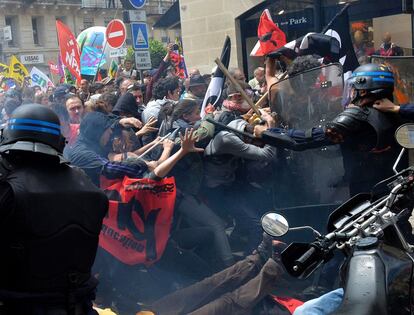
pixel 368 229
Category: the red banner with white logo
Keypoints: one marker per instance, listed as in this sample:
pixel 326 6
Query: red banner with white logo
pixel 53 68
pixel 137 226
pixel 69 49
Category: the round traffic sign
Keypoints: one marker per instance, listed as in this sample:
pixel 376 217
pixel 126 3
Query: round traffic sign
pixel 137 4
pixel 115 33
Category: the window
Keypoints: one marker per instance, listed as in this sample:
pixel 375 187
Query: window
pixel 88 22
pixel 37 28
pixel 12 21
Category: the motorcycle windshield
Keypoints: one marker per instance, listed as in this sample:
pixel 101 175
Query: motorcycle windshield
pixel 403 69
pixel 309 99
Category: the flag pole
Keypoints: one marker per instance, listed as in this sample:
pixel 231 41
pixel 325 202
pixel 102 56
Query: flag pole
pixel 103 51
pixel 237 86
pixel 327 27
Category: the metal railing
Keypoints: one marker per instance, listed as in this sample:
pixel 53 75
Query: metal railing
pixel 152 7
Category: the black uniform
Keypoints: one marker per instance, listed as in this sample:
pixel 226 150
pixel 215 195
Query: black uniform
pixel 51 217
pixel 366 136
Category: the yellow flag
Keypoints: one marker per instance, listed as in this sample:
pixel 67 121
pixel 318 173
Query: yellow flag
pixel 4 69
pixel 17 71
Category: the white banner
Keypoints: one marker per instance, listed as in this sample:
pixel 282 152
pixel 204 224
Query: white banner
pixel 40 79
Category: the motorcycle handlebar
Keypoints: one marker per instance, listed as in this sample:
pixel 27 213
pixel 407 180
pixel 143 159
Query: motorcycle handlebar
pixel 302 260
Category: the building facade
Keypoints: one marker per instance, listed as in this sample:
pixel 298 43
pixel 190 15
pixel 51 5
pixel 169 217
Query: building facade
pixel 33 30
pixel 205 24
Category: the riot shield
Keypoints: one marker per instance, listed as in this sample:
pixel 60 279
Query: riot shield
pixel 403 69
pixel 309 99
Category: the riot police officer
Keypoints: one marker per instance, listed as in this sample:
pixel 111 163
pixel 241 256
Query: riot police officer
pixel 366 135
pixel 51 217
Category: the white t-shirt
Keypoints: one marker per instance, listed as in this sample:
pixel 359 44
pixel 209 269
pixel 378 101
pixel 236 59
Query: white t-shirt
pixel 129 74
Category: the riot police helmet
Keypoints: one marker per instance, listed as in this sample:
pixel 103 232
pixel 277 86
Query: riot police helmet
pixel 372 77
pixel 34 128
pixel 376 80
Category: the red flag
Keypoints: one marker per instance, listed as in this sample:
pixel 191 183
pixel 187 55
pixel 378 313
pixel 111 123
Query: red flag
pixel 270 36
pixel 53 68
pixel 69 49
pixel 178 60
pixel 137 226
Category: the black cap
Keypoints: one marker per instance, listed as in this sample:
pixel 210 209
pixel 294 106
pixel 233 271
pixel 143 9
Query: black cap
pixel 197 80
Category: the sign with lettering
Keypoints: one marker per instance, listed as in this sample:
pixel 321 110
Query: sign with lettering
pixel 7 33
pixel 120 52
pixel 40 79
pixel 137 226
pixel 142 60
pixel 300 19
pixel 32 59
pixel 137 15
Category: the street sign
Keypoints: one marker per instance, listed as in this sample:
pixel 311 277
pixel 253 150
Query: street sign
pixel 137 4
pixel 119 52
pixel 143 60
pixel 139 35
pixel 32 59
pixel 137 15
pixel 115 33
pixel 7 33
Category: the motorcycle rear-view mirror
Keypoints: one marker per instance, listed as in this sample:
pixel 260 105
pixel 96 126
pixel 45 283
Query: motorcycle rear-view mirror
pixel 275 224
pixel 405 136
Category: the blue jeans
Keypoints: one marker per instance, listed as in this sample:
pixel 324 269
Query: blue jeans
pixel 323 305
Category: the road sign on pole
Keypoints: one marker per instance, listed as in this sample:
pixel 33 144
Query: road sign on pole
pixel 137 4
pixel 143 60
pixel 119 52
pixel 139 36
pixel 137 15
pixel 115 33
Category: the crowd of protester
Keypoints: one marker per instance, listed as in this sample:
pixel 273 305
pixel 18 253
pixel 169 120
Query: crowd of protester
pixel 110 125
pixel 151 127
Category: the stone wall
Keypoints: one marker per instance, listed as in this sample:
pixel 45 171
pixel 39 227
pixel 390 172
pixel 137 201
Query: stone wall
pixel 204 26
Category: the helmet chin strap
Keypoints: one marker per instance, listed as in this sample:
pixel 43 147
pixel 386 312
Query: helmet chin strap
pixel 369 99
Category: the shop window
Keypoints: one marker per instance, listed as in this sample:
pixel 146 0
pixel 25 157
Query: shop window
pixel 13 22
pixel 368 36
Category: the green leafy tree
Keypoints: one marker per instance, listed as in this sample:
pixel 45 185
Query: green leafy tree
pixel 130 54
pixel 157 52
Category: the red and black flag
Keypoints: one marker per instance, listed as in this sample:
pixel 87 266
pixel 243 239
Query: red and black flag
pixel 215 88
pixel 270 36
pixel 137 226
pixel 333 44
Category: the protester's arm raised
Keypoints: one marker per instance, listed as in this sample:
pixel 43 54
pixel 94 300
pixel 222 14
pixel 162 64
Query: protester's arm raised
pixel 187 146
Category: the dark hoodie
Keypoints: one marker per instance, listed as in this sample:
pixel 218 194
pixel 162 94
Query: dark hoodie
pixel 126 104
pixel 89 155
